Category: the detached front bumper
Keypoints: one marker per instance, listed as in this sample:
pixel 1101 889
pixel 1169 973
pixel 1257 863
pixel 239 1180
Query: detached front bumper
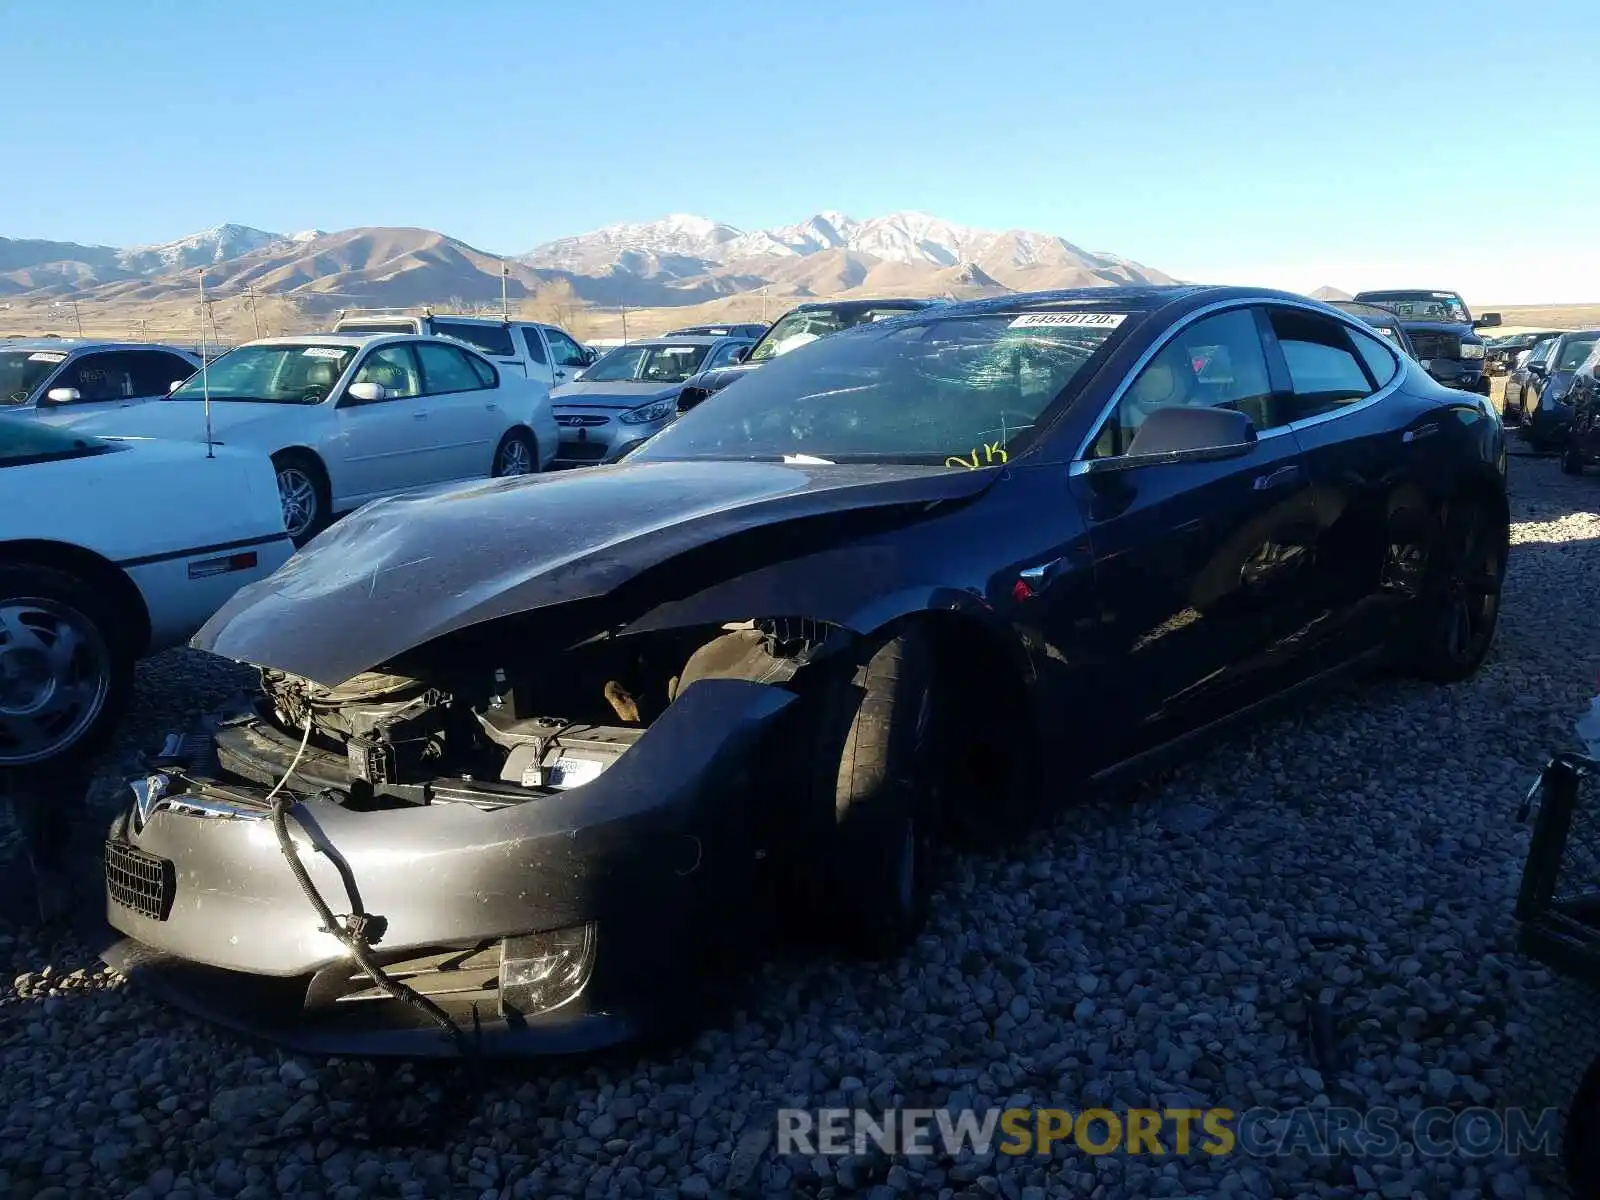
pixel 607 897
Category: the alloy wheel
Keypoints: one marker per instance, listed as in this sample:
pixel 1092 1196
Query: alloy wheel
pixel 513 459
pixel 1471 587
pixel 298 494
pixel 55 676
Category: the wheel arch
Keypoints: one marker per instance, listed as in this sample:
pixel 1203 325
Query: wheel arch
pixel 96 569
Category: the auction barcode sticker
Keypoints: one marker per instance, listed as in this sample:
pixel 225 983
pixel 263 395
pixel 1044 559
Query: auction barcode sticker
pixel 323 352
pixel 1062 320
pixel 47 356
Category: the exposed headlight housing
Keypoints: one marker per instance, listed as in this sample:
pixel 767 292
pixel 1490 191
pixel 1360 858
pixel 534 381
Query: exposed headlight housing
pixel 658 410
pixel 1471 349
pixel 540 972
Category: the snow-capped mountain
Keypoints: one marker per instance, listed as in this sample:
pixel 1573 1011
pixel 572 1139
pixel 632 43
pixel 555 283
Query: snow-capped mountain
pixel 217 244
pixel 681 245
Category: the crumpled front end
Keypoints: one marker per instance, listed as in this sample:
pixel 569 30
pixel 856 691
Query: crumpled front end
pixel 552 882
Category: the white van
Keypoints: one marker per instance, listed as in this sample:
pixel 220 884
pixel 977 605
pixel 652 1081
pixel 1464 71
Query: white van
pixel 540 352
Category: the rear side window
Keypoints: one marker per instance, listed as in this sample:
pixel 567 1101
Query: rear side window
pixel 1380 361
pixel 447 369
pixel 155 371
pixel 530 334
pixel 375 327
pixel 1322 363
pixel 100 377
pixel 491 339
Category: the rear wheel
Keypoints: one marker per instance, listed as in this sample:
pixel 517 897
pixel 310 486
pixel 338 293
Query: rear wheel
pixel 1460 603
pixel 516 455
pixel 66 666
pixel 303 491
pixel 1571 462
pixel 875 776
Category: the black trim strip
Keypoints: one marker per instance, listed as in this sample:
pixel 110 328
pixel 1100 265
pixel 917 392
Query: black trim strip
pixel 242 544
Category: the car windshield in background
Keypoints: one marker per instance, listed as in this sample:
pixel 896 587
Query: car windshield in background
pixel 1575 350
pixel 798 328
pixel 23 442
pixel 22 370
pixel 647 364
pixel 966 391
pixel 294 374
pixel 1423 306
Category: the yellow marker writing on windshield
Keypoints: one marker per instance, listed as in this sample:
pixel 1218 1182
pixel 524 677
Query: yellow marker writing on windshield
pixel 993 452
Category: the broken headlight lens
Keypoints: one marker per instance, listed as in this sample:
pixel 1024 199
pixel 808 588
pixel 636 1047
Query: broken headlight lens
pixel 539 972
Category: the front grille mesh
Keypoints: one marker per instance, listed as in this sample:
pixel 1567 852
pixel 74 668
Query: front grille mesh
pixel 139 882
pixel 1436 345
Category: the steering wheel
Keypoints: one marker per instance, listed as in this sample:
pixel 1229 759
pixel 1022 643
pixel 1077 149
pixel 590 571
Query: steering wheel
pixel 17 398
pixel 313 395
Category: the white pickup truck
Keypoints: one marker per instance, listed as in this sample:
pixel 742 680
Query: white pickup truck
pixel 540 352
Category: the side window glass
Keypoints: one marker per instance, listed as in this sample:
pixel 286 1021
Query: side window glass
pixel 487 376
pixel 154 372
pixel 1541 350
pixel 1379 359
pixel 1323 367
pixel 723 355
pixel 99 377
pixel 394 369
pixel 565 350
pixel 446 369
pixel 531 335
pixel 1217 362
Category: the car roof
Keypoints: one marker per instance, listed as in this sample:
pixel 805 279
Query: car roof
pixel 682 339
pixel 1396 293
pixel 353 340
pixel 1366 311
pixel 74 345
pixel 1141 299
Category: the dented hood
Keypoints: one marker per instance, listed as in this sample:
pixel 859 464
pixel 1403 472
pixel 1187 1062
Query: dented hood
pixel 400 572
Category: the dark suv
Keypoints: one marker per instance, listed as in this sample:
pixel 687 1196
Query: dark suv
pixel 1444 332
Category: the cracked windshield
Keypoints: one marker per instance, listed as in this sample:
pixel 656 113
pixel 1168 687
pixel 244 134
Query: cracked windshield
pixel 957 392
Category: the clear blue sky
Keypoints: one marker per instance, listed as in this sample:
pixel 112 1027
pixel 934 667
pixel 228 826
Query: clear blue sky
pixel 1353 143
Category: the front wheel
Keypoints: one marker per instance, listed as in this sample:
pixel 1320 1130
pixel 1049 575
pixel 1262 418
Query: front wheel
pixel 516 455
pixel 874 763
pixel 303 492
pixel 66 668
pixel 1459 607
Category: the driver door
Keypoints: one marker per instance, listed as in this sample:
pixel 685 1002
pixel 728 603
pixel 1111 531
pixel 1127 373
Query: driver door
pixel 1202 568
pixel 388 445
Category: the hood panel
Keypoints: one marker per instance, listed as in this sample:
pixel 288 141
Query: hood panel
pixel 404 571
pixel 612 395
pixel 184 420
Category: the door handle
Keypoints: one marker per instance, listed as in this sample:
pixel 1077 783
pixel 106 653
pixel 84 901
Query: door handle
pixel 422 416
pixel 1420 432
pixel 1279 478
pixel 492 407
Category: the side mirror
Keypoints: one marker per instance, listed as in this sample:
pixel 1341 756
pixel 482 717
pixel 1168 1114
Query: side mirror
pixel 689 397
pixel 365 393
pixel 1185 434
pixel 589 357
pixel 1487 321
pixel 175 385
pixel 63 396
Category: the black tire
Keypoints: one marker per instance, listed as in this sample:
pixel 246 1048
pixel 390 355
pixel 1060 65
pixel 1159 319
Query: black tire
pixel 1571 462
pixel 52 709
pixel 517 449
pixel 303 488
pixel 1459 605
pixel 874 775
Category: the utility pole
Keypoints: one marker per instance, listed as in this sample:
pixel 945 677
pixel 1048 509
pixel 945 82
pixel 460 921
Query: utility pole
pixel 254 315
pixel 505 308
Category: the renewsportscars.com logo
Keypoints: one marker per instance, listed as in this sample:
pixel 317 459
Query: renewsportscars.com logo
pixel 1259 1132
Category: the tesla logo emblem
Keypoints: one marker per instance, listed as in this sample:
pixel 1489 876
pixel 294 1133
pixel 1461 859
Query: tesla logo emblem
pixel 148 793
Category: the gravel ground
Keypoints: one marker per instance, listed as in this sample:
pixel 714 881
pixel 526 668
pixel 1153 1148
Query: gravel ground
pixel 1149 950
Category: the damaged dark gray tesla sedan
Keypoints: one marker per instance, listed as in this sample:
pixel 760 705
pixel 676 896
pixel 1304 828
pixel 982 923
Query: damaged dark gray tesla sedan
pixel 528 751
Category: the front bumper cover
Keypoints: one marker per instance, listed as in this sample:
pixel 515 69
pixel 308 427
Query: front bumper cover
pixel 648 855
